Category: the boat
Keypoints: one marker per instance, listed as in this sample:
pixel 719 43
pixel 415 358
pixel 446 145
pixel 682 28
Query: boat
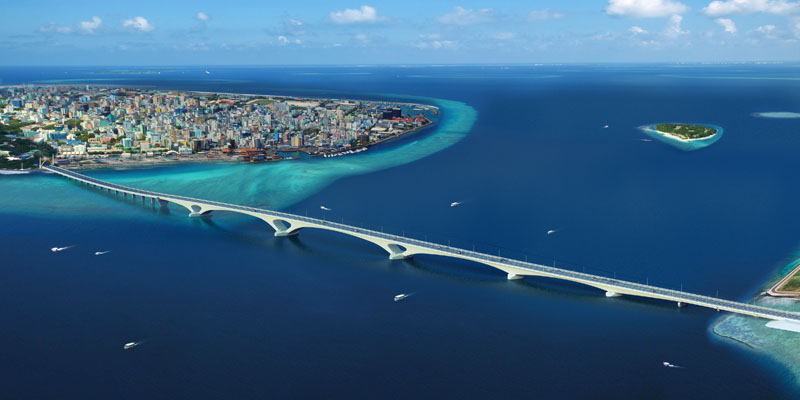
pixel 323 208
pixel 130 345
pixel 455 204
pixel 551 231
pixel 400 296
pixel 100 253
pixel 605 126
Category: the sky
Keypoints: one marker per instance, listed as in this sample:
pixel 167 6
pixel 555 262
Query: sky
pixel 244 32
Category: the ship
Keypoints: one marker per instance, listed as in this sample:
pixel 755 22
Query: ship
pixel 130 345
pixel 400 296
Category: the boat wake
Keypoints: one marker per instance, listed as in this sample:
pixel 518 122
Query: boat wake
pixel 403 296
pixel 100 253
pixel 668 365
pixel 57 249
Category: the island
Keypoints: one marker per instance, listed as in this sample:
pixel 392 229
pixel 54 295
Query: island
pixel 84 126
pixel 684 136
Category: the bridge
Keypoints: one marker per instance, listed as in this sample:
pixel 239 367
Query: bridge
pixel 286 224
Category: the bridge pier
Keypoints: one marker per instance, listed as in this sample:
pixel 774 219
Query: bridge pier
pixel 396 252
pixel 286 224
pixel 513 277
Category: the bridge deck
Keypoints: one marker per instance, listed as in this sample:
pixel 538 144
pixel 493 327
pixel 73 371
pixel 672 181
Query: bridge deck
pixel 519 268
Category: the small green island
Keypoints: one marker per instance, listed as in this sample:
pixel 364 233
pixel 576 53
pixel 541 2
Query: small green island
pixel 687 131
pixel 686 137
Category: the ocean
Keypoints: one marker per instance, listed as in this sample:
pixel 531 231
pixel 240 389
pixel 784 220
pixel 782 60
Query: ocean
pixel 227 310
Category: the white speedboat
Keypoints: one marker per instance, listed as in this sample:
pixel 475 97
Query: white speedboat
pixel 400 296
pixel 130 345
pixel 551 231
pixel 455 204
pixel 323 208
pixel 670 365
pixel 100 253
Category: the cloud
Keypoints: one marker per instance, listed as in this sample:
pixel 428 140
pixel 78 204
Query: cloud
pixel 540 15
pixel 504 35
pixel 138 23
pixel 90 26
pixel 53 28
pixel 464 16
pixel 645 8
pixel 727 23
pixel 197 46
pixel 434 41
pixel 728 7
pixel 293 27
pixel 637 30
pixel 283 40
pixel 767 30
pixel 202 17
pixel 352 16
pixel 674 27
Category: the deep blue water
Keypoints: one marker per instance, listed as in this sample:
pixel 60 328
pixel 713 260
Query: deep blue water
pixel 228 311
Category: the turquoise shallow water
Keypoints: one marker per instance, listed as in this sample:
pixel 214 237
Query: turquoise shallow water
pixel 779 114
pixel 269 185
pixel 229 311
pixel 753 332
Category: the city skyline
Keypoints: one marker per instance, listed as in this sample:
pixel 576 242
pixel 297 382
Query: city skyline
pixel 414 32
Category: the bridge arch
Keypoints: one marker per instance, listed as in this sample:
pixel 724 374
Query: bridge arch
pixel 405 247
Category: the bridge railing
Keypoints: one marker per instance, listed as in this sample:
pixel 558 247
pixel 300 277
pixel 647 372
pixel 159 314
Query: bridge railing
pixel 463 253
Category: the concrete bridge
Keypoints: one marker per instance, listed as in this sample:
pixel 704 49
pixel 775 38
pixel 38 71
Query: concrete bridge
pixel 286 224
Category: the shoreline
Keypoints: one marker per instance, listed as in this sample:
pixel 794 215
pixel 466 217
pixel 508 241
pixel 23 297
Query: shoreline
pixel 679 142
pixel 90 163
pixel 775 289
pixel 673 136
pixel 758 336
pixel 148 87
pixel 194 159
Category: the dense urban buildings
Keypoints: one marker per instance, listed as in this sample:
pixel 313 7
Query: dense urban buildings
pixel 91 123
